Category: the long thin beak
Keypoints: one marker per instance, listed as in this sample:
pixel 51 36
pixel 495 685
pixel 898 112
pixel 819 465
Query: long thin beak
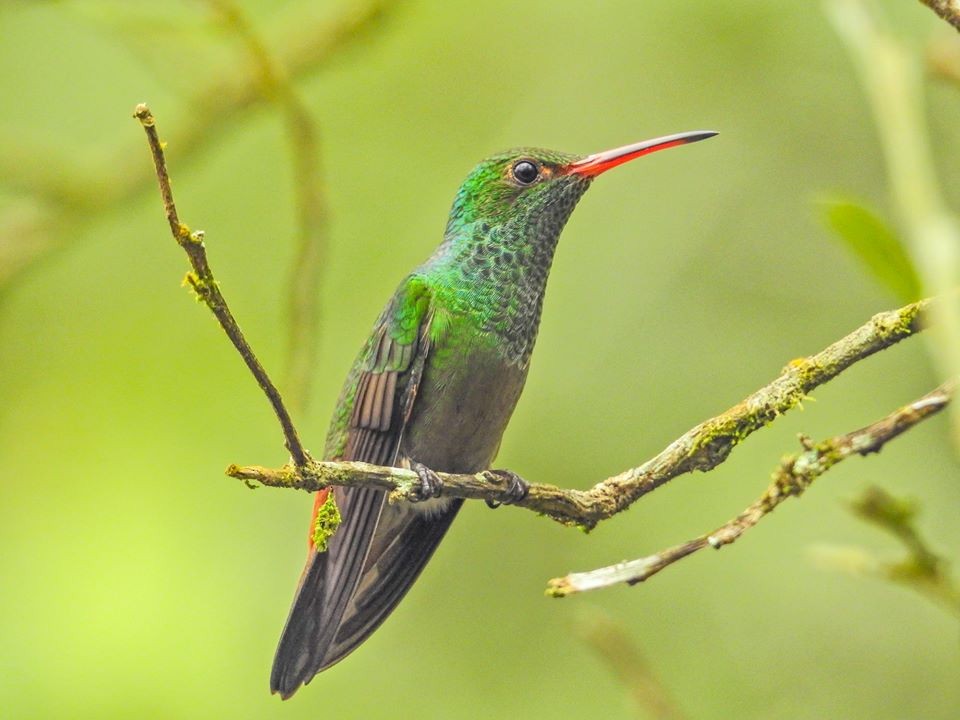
pixel 593 165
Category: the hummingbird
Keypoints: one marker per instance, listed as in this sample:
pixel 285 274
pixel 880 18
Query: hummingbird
pixel 433 389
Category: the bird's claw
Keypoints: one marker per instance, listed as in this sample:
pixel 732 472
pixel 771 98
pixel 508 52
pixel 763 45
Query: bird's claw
pixel 516 490
pixel 430 483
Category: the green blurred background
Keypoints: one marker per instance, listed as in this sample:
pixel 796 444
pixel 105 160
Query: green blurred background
pixel 138 581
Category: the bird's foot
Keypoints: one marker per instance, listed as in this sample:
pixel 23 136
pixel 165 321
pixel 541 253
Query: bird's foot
pixel 430 483
pixel 516 490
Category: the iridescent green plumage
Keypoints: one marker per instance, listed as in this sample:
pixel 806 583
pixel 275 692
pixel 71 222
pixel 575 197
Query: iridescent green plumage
pixel 434 387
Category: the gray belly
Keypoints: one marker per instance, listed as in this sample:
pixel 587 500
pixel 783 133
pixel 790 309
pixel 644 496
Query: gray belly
pixel 461 410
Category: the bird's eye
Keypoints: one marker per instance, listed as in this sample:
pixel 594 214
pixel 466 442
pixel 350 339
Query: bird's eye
pixel 525 172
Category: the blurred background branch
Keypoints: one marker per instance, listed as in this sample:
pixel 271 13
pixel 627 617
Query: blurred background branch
pixel 610 641
pixel 890 75
pixel 303 298
pixel 60 187
pixel 922 569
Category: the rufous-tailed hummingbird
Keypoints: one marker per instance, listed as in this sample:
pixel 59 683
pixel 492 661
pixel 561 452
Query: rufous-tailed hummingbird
pixel 433 389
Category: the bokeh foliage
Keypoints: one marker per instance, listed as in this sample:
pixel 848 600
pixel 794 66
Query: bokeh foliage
pixel 138 581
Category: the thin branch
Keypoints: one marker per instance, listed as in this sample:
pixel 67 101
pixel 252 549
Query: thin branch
pixel 207 288
pixel 794 475
pixel 303 301
pixel 701 448
pixel 948 10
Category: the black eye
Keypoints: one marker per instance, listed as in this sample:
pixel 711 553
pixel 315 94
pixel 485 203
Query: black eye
pixel 525 172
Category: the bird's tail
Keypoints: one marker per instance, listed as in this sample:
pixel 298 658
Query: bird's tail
pixel 346 592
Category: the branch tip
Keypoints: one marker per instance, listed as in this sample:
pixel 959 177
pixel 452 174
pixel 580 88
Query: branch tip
pixel 202 280
pixel 142 113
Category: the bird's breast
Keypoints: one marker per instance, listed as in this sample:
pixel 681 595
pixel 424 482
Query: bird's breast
pixel 467 394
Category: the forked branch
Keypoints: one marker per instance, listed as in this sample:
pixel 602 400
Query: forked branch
pixel 794 475
pixel 203 283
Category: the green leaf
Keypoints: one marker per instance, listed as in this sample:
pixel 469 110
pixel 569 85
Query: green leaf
pixel 877 246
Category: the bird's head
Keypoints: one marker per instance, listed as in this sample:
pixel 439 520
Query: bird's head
pixel 530 187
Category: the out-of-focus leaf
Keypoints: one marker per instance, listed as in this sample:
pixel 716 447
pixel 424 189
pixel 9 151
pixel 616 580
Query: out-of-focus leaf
pixel 876 245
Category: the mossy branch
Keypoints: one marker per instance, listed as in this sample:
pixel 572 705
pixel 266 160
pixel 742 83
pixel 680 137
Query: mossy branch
pixel 794 475
pixel 702 448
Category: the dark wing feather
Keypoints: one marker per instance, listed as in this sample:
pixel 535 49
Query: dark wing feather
pixel 379 550
pixel 406 542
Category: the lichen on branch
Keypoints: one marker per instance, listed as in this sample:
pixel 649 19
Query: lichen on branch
pixel 794 475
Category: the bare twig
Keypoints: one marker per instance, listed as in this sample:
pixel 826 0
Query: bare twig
pixel 794 475
pixel 949 10
pixel 303 300
pixel 700 448
pixel 208 290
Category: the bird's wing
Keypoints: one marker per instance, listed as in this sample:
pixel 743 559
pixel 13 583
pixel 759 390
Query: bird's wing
pixel 379 550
